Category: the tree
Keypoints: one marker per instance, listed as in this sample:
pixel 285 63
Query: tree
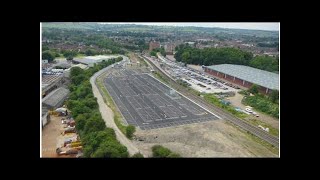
pixel 153 53
pixel 78 79
pixel 104 144
pixel 76 71
pixel 69 54
pixel 69 58
pixel 130 130
pixel 274 96
pixel 254 89
pixel 119 58
pixel 94 124
pixel 137 155
pixel 44 48
pixel 90 52
pixel 111 149
pixel 159 151
pixel 48 55
pixel 81 122
pixel 265 63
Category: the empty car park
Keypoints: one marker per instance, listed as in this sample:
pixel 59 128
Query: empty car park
pixel 145 102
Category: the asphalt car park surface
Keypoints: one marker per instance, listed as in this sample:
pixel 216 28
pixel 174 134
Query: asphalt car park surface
pixel 145 102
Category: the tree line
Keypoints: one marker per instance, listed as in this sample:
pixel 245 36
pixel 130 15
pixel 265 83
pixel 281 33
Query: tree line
pixel 98 140
pixel 214 56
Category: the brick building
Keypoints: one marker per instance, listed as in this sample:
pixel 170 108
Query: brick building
pixel 169 48
pixel 153 45
pixel 245 76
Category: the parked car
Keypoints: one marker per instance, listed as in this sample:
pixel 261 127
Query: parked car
pixel 248 110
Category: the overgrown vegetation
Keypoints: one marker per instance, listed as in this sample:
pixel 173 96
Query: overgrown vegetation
pixel 211 98
pixel 268 104
pixel 98 140
pixel 262 103
pixel 162 152
pixel 160 77
pixel 214 56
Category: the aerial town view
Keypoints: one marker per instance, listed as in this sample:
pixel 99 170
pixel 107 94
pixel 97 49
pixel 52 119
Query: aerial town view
pixel 159 90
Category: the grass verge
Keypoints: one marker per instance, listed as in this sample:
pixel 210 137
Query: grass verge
pixel 211 98
pixel 256 122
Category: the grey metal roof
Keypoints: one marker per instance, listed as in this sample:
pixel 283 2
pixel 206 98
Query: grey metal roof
pixel 56 97
pixel 260 77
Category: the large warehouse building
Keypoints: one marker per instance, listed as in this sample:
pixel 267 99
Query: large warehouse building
pixel 245 76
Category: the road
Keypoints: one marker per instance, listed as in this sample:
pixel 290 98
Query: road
pixel 107 113
pixel 222 113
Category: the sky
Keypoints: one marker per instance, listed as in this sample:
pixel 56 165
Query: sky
pixel 258 26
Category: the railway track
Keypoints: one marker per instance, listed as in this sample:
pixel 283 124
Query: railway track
pixel 222 113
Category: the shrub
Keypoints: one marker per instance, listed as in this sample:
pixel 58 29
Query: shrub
pixel 130 130
pixel 137 155
pixel 160 151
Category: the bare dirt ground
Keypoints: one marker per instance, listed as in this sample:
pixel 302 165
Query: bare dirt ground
pixel 236 101
pixel 50 134
pixel 133 58
pixel 209 139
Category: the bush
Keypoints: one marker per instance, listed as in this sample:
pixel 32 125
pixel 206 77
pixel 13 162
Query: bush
pixel 111 149
pixel 254 89
pixel 48 55
pixel 130 130
pixel 137 155
pixel 174 155
pixel 160 151
pixel 274 96
pixel 69 58
pixel 103 144
pixel 244 92
pixel 262 104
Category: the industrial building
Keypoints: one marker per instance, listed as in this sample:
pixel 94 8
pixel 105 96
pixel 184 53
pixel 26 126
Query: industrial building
pixel 55 99
pixel 45 116
pixel 91 60
pixel 245 76
pixel 169 48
